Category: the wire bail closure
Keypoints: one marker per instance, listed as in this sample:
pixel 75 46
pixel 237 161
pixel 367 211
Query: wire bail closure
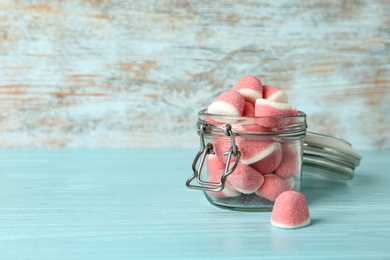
pixel 207 149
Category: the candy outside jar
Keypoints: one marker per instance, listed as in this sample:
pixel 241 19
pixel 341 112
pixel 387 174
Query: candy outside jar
pixel 246 162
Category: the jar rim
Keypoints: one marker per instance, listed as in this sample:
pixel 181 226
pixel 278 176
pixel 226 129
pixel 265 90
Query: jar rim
pixel 213 124
pixel 203 112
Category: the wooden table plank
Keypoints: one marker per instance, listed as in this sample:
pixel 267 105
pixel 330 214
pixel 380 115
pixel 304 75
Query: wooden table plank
pixel 133 204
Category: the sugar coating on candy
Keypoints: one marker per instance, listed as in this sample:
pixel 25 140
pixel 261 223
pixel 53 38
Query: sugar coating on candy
pixel 214 165
pixel 269 163
pixel 290 163
pixel 290 211
pixel 266 107
pixel 222 145
pixel 249 109
pixel 294 112
pixel 274 114
pixel 245 179
pixel 254 151
pixel 228 103
pixel 253 129
pixel 210 119
pixel 274 94
pixel 272 187
pixel 227 192
pixel 250 87
pixel 291 181
pixel 215 170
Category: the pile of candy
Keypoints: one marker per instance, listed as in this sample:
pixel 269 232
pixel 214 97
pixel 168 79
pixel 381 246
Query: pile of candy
pixel 266 167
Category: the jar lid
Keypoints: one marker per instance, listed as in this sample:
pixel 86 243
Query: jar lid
pixel 329 157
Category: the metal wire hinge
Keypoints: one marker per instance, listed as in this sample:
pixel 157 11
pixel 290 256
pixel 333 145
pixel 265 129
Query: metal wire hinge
pixel 207 149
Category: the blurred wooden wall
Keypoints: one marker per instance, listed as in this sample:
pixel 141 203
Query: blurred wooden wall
pixel 119 73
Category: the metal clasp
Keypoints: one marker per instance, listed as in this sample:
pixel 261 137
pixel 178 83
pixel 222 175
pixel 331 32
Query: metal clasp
pixel 201 156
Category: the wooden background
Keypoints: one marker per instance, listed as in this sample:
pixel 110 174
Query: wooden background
pixel 110 73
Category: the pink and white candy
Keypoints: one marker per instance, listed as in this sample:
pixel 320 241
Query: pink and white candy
pixel 214 165
pixel 271 161
pixel 245 179
pixel 255 150
pixel 250 87
pixel 222 147
pixel 229 103
pixel 272 187
pixel 249 109
pixel 289 166
pixel 274 114
pixel 274 94
pixel 290 211
pixel 216 169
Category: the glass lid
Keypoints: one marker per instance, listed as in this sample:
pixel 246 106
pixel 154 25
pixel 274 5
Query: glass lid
pixel 322 167
pixel 329 157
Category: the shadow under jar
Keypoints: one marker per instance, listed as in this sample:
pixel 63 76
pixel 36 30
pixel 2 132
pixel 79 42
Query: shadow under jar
pixel 244 163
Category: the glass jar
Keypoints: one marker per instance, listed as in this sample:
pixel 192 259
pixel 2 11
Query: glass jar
pixel 244 163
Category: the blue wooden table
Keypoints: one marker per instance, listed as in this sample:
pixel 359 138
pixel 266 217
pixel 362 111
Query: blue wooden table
pixel 133 204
